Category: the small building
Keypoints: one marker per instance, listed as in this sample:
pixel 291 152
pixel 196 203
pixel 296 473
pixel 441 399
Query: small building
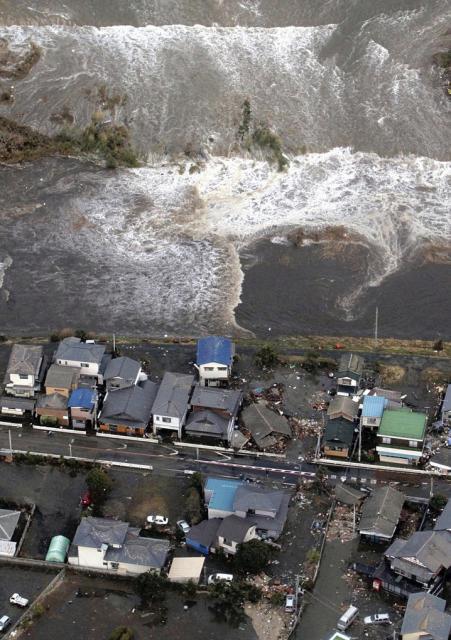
pixel 264 425
pixel 425 618
pixel 338 438
pixel 214 360
pixel 62 380
pixel 121 373
pixel 233 531
pixel 380 514
pixel 171 404
pixel 401 436
pixel 446 408
pixel 82 407
pixel 186 569
pixel 343 407
pixel 112 545
pixel 24 371
pixel 128 411
pixel 264 507
pixel 13 407
pixel 349 374
pixel 87 356
pixel 8 524
pixel 209 426
pixel 372 411
pixel 52 410
pixel 219 495
pixel 202 537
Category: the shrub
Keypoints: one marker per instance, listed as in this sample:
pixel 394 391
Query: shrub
pixel 266 357
pixel 37 611
pixel 252 557
pixel 122 633
pixel 313 555
pixel 99 484
pixel 438 502
pixel 277 599
pixel 151 587
pixel 193 508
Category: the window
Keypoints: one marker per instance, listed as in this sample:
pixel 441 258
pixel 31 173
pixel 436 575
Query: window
pixel 113 428
pixel 413 444
pixel 166 420
pixel 83 364
pixel 23 377
pixel 209 368
pixel 386 440
pixel 222 368
pixel 371 420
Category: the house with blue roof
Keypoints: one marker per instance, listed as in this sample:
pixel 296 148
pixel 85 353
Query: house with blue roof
pixel 214 360
pixel 82 406
pixel 220 496
pixel 373 410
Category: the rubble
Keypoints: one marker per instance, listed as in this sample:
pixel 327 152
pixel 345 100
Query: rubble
pixel 342 525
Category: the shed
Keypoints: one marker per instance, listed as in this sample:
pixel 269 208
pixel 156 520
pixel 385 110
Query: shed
pixel 186 569
pixel 58 548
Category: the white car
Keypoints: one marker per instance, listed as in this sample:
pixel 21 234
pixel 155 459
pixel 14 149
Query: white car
pixel 377 618
pixel 290 603
pixel 219 577
pixel 5 621
pixel 161 520
pixel 19 600
pixel 184 526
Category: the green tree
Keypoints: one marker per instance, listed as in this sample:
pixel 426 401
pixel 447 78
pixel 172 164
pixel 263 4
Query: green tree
pixel 151 587
pixel 266 357
pixel 438 501
pixel 99 484
pixel 252 557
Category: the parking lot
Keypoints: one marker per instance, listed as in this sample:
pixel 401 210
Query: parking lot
pixel 26 582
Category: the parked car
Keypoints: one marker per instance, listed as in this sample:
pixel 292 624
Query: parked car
pixel 5 621
pixel 184 526
pixel 86 499
pixel 19 600
pixel 377 618
pixel 290 603
pixel 154 519
pixel 220 577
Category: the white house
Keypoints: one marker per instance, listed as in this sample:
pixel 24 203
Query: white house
pixel 112 545
pixel 171 404
pixel 24 370
pixel 214 360
pixel 233 531
pixel 87 356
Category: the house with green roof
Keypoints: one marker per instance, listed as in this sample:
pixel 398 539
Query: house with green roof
pixel 401 436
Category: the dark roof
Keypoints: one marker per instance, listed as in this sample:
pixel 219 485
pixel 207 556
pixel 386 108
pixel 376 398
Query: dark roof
pixel 351 362
pixel 93 532
pixel 51 401
pixel 148 552
pixel 346 494
pixel 124 368
pixel 343 405
pixel 425 615
pixel 262 423
pixel 25 359
pixel 381 512
pixel 131 406
pixel 11 402
pixel 83 398
pixel 214 349
pixel 257 498
pixel 443 522
pixel 274 525
pixel 228 400
pixel 204 533
pixel 446 406
pixel 60 376
pixel 389 394
pixel 8 523
pixel 431 549
pixel 74 349
pixel 173 395
pixel 207 423
pixel 339 430
pixel 234 528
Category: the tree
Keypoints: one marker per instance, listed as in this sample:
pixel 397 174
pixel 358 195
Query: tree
pixel 151 587
pixel 99 484
pixel 193 506
pixel 252 557
pixel 438 346
pixel 122 633
pixel 438 501
pixel 266 357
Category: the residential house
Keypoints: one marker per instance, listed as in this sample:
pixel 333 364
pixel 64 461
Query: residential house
pixel 233 531
pixel 87 356
pixel 347 495
pixel 264 425
pixel 266 508
pixel 82 407
pixel 128 411
pixel 443 522
pixel 213 413
pixel 112 545
pixel 446 407
pixel 171 404
pixel 52 410
pixel 424 558
pixel 13 407
pixel 121 373
pixel 425 618
pixel 380 514
pixel 24 371
pixel 343 407
pixel 62 380
pixel 372 411
pixel 8 526
pixel 401 436
pixel 349 374
pixel 219 494
pixel 203 537
pixel 395 399
pixel 338 438
pixel 214 360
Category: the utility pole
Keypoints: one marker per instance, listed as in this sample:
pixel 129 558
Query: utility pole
pixel 431 492
pixel 10 443
pixel 376 321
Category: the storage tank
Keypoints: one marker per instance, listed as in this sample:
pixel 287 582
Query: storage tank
pixel 58 548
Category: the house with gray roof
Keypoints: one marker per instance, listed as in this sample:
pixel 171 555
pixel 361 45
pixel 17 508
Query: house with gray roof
pixel 349 374
pixel 443 522
pixel 266 508
pixel 264 425
pixel 87 356
pixel 112 545
pixel 24 371
pixel 203 537
pixel 234 531
pixel 62 380
pixel 128 411
pixel 209 426
pixel 171 404
pixel 342 407
pixel 14 407
pixel 338 438
pixel 446 407
pixel 425 618
pixel 122 372
pixel 213 413
pixel 380 514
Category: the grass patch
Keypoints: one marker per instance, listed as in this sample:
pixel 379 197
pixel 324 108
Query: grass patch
pixel 391 374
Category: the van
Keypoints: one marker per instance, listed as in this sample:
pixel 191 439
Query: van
pixel 347 618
